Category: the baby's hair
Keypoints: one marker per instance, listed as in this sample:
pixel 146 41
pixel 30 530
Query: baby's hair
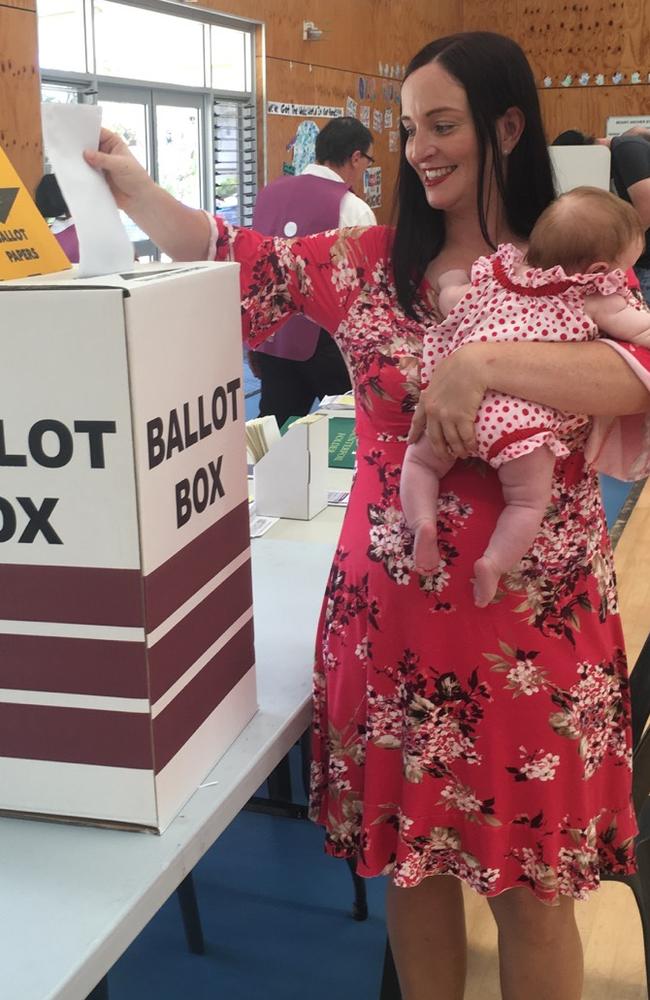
pixel 581 227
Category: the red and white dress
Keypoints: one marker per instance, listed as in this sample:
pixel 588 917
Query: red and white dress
pixel 492 744
pixel 509 303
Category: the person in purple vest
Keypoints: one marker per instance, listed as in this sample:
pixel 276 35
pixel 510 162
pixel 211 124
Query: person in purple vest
pixel 53 207
pixel 301 361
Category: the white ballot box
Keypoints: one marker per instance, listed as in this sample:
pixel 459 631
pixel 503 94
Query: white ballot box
pixel 126 622
pixel 291 478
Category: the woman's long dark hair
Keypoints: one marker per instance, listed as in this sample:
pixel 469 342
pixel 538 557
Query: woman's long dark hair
pixel 496 76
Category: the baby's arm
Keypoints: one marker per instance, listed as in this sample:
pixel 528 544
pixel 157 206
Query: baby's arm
pixel 453 285
pixel 613 315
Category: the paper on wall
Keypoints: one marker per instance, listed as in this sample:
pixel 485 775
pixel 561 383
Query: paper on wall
pixel 104 246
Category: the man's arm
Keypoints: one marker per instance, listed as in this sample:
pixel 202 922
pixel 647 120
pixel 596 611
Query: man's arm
pixel 631 169
pixel 640 197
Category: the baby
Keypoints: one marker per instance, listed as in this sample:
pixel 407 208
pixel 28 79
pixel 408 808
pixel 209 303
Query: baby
pixel 570 285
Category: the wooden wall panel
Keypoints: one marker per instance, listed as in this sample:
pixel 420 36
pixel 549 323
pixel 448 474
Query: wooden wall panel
pixel 588 108
pixel 563 39
pixel 20 4
pixel 358 34
pixel 20 120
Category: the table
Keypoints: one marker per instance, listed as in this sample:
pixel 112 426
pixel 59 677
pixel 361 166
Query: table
pixel 73 898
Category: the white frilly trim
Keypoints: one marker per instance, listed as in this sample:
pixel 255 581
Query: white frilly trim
pixel 214 233
pixel 620 446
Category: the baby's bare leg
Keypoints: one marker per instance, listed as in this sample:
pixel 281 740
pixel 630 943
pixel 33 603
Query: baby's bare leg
pixel 419 489
pixel 526 483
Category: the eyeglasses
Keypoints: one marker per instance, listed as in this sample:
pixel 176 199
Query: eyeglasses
pixel 369 158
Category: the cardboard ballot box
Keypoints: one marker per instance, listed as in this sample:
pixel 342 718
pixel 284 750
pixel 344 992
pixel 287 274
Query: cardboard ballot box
pixel 291 478
pixel 126 623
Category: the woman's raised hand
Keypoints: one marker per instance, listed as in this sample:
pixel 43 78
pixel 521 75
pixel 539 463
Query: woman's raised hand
pixel 448 406
pixel 127 179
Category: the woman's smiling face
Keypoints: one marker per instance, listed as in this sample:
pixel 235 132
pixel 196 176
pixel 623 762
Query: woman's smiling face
pixel 442 145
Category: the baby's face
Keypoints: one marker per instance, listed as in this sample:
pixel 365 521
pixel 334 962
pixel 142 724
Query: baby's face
pixel 629 256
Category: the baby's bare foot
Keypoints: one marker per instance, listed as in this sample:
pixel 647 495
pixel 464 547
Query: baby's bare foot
pixel 425 549
pixel 486 581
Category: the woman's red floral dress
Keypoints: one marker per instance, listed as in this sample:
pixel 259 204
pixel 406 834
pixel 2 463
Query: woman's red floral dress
pixel 490 743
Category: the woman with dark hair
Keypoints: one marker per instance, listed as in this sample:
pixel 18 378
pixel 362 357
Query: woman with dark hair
pixel 453 744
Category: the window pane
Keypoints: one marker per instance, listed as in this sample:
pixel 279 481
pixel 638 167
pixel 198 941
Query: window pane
pixel 144 45
pixel 178 146
pixel 229 59
pixel 129 120
pixel 61 40
pixel 59 93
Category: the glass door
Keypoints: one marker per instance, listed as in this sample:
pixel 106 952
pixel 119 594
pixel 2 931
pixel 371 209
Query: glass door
pixel 179 145
pixel 127 111
pixel 164 129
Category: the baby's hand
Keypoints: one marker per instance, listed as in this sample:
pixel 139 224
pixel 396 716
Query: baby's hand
pixel 453 277
pixel 453 285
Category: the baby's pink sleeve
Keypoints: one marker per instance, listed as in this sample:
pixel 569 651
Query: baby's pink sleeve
pixel 620 446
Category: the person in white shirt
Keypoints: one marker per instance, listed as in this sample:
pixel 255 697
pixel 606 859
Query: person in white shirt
pixel 301 362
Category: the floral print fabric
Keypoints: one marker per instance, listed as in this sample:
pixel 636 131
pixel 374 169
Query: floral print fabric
pixel 492 744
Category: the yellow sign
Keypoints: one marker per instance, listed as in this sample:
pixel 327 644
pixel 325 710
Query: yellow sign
pixel 26 243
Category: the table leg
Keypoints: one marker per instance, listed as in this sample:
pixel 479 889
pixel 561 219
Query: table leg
pixel 186 895
pixel 279 781
pixel 101 990
pixel 389 983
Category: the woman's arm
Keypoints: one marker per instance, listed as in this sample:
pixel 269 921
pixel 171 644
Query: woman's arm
pixel 182 232
pixel 574 378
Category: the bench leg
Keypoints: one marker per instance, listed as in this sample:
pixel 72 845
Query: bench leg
pixel 279 781
pixel 101 990
pixel 360 904
pixel 186 895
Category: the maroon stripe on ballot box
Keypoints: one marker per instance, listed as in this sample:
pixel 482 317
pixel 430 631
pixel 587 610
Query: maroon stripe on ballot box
pixel 75 666
pixel 192 706
pixel 198 630
pixel 199 561
pixel 79 595
pixel 76 735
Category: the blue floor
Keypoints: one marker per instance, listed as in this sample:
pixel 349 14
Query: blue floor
pixel 275 913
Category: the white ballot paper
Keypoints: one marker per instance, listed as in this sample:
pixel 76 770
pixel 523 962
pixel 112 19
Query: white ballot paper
pixel 104 246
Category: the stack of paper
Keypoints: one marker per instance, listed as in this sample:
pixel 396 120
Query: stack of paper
pixel 344 401
pixel 261 434
pixel 311 418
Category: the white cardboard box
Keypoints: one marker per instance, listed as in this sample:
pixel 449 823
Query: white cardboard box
pixel 291 479
pixel 126 622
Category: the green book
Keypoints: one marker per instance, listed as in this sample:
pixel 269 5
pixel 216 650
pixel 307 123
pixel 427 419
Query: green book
pixel 343 442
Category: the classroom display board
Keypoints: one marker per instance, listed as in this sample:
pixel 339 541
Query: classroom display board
pixel 126 623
